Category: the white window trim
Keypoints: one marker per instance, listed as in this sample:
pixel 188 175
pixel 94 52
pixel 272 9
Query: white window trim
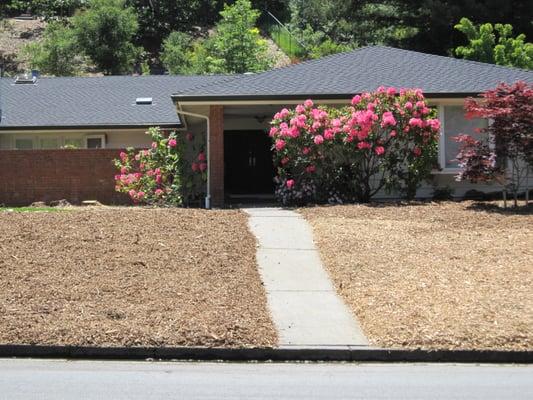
pixel 442 144
pixel 100 136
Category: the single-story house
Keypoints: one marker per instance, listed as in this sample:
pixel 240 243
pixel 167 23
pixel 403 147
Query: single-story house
pixel 232 111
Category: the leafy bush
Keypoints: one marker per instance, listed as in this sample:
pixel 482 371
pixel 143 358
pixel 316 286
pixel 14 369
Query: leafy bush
pixel 384 140
pixel 176 56
pixel 57 53
pixel 163 174
pixel 104 32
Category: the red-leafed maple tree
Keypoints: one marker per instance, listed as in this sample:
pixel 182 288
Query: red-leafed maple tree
pixel 505 153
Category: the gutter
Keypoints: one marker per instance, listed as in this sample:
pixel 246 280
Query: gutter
pixel 208 155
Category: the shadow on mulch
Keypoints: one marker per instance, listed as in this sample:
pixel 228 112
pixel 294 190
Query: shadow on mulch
pixel 498 209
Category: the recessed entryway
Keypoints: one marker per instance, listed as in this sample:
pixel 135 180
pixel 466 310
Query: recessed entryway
pixel 248 166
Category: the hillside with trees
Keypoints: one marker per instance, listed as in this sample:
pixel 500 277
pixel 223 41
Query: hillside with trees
pixel 81 37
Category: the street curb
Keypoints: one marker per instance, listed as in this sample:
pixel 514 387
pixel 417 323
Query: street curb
pixel 266 354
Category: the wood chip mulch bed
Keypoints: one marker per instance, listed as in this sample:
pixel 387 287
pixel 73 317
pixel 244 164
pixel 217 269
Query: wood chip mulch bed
pixel 432 275
pixel 131 277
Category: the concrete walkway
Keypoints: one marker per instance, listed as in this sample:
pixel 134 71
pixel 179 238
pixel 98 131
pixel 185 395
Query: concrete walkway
pixel 304 305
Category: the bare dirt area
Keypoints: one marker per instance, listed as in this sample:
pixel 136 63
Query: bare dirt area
pixel 131 277
pixel 432 275
pixel 14 34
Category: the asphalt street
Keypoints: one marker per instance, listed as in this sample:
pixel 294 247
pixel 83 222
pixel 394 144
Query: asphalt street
pixel 61 379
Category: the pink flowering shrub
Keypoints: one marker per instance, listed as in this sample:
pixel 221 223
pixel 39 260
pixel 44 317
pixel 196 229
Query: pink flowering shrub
pixel 383 140
pixel 162 174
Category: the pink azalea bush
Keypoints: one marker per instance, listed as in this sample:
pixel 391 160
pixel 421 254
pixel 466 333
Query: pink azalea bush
pixel 386 139
pixel 164 174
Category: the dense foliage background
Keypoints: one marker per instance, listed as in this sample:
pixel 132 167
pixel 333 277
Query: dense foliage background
pixel 203 36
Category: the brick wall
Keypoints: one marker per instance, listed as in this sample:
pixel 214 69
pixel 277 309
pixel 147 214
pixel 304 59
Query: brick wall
pixel 46 175
pixel 216 121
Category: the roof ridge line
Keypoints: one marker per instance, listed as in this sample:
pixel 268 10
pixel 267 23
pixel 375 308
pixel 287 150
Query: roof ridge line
pixel 200 86
pixel 505 67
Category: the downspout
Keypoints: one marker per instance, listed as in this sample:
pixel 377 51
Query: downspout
pixel 208 193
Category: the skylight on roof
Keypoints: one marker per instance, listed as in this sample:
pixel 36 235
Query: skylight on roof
pixel 143 100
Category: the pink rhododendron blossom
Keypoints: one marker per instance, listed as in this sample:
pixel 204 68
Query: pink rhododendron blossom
pixel 284 113
pixel 310 169
pixel 308 103
pixel 381 89
pixel 123 170
pixel 356 100
pixel 417 151
pixel 158 179
pixel 273 131
pixel 388 119
pixel 159 192
pixel 319 139
pixel 123 156
pixel 416 122
pixel 379 150
pixel 201 156
pixel 306 150
pixel 391 91
pixel 194 166
pixel 284 160
pixel 280 144
pixel 172 143
pixel 154 145
pixel 290 183
pixel 363 145
pixel 300 109
pixel 434 124
pixel 140 194
pixel 202 167
pixel 392 133
pixel 408 105
pixel 328 134
pixel 132 193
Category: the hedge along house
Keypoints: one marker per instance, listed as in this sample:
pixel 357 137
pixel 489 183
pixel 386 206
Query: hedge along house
pixel 102 114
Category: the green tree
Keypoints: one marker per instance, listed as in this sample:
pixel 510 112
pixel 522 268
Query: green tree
pixel 56 54
pixel 105 32
pixel 495 45
pixel 176 57
pixel 237 46
pixel 157 19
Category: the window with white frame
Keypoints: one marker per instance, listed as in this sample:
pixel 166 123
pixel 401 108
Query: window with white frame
pixel 95 141
pixel 454 123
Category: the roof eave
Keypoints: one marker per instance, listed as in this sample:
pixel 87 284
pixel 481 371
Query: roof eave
pixel 88 127
pixel 280 97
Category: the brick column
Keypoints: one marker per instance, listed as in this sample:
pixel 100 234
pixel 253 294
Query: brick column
pixel 216 157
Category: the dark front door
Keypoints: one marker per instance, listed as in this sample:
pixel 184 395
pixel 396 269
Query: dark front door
pixel 248 163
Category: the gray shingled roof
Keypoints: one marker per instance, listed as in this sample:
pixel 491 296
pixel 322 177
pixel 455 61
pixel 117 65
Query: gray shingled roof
pixel 110 101
pixel 364 69
pixel 94 101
